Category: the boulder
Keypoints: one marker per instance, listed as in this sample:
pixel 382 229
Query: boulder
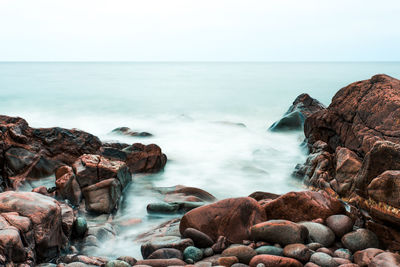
pixel 129 132
pixel 299 252
pixel 302 107
pixel 323 259
pixel 270 250
pixel 37 220
pixel 166 253
pixel 231 218
pixel 385 259
pixel 165 242
pixel 359 115
pixel 303 206
pixel 103 196
pixel 386 188
pixel 340 224
pixel 200 239
pixel 360 239
pixel 67 186
pixel 319 233
pixel 364 257
pixel 145 158
pixel 282 232
pixel 272 260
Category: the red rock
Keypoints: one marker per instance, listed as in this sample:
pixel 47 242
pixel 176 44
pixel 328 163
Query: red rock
pixel 103 196
pixel 272 261
pixel 386 188
pixel 45 215
pixel 221 244
pixel 166 253
pixel 11 246
pixel 229 217
pixel 303 206
pixel 364 257
pixel 161 262
pixel 299 252
pixel 360 114
pixel 145 159
pixel 198 193
pixel 164 242
pixel 200 239
pixel 243 253
pixel 340 224
pixel 227 261
pixel 385 259
pixel 67 186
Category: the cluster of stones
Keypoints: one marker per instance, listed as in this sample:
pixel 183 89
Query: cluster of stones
pixel 354 149
pixel 296 229
pixel 48 224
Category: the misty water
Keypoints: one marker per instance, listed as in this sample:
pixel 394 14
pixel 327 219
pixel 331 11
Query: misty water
pixel 196 113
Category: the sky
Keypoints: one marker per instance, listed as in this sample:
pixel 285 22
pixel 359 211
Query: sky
pixel 199 30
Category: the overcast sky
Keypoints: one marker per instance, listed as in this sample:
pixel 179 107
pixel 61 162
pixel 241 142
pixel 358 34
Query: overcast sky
pixel 199 30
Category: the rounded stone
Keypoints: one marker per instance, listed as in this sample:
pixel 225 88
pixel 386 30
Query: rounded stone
pixel 166 253
pixel 228 261
pixel 272 260
pixel 243 253
pixel 343 253
pixel 117 263
pixel 208 252
pixel 162 207
pixel 323 259
pixel 319 233
pixel 360 239
pixel 199 238
pixel 297 251
pixel 131 260
pixel 80 227
pixel 326 251
pixel 340 224
pixel 192 253
pixel 270 250
pixel 364 257
pixel 279 231
pixel 314 246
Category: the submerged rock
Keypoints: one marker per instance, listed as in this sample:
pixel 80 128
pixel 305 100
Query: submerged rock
pixel 302 107
pixel 129 132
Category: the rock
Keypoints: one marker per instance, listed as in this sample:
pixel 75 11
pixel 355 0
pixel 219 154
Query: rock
pixel 270 250
pixel 294 118
pixel 259 195
pixel 80 227
pixel 341 261
pixel 36 153
pixel 166 253
pixel 208 252
pixel 200 239
pixel 130 260
pixel 389 237
pixel 279 231
pixel 213 259
pixel 299 252
pixel 348 265
pixel 243 253
pixel 340 224
pixel 227 261
pixel 347 164
pixel 326 251
pixel 323 259
pixel 360 239
pixel 303 206
pixel 45 216
pixel 161 262
pixel 229 217
pixel 386 188
pixel 364 257
pixel 186 192
pixel 129 132
pixel 314 246
pixel 272 260
pixel 319 233
pixel 163 207
pixel 68 219
pixel 221 244
pixel 239 265
pixel 385 259
pixel 117 263
pixel 102 197
pixel 165 242
pixel 310 264
pixel 67 186
pixel 192 253
pixel 145 159
pixel 360 114
pixel 11 246
pixel 343 253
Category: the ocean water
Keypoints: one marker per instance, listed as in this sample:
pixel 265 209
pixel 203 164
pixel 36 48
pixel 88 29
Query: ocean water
pixel 192 109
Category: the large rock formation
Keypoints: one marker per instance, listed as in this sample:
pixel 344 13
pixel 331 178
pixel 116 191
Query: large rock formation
pixel 355 151
pixel 30 228
pixel 35 153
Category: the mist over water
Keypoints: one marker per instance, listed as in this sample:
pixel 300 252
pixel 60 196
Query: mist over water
pixel 195 112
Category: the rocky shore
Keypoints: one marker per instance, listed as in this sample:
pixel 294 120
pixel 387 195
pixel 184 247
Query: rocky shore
pixel 348 217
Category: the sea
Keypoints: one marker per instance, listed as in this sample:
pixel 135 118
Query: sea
pixel 211 119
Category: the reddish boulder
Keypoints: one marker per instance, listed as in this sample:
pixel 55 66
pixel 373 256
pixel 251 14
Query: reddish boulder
pixel 44 214
pixel 67 186
pixel 272 261
pixel 360 114
pixel 303 206
pixel 102 197
pixel 145 158
pixel 386 188
pixel 364 257
pixel 231 217
pixel 385 259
